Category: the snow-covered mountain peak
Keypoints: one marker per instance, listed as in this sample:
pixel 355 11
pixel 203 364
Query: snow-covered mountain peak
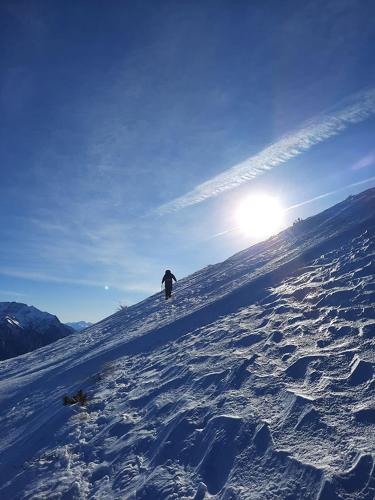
pixel 79 325
pixel 256 381
pixel 24 328
pixel 26 315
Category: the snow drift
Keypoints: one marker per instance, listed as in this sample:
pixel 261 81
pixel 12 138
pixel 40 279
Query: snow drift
pixel 255 382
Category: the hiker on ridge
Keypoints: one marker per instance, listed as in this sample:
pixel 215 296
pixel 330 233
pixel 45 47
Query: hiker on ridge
pixel 167 279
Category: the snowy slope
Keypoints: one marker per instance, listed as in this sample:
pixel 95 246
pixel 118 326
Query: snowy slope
pixel 254 382
pixel 24 328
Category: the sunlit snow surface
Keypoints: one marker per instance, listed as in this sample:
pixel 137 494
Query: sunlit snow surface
pixel 256 381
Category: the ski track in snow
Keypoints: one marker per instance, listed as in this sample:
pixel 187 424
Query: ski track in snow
pixel 256 381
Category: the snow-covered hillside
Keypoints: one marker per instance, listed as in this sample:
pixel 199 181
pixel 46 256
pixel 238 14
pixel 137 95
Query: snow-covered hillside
pixel 254 382
pixel 24 328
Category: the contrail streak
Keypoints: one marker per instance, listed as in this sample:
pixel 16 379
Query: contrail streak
pixel 357 108
pixel 330 193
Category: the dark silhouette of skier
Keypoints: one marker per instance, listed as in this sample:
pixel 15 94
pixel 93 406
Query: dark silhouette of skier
pixel 168 280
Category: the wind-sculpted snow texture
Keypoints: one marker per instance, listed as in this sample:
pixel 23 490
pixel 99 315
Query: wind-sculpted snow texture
pixel 255 382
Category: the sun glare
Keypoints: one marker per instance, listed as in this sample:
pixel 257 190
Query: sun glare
pixel 259 216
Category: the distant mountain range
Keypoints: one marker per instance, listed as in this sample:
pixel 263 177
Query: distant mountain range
pixel 24 328
pixel 79 325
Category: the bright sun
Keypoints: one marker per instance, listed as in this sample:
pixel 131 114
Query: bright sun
pixel 259 216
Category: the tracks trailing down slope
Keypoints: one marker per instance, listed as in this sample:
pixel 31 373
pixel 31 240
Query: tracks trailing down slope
pixel 258 384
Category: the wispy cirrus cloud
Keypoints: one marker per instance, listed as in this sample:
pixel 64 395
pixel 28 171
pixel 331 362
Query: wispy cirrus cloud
pixel 366 161
pixel 95 254
pixel 142 287
pixel 45 277
pixel 11 293
pixel 354 110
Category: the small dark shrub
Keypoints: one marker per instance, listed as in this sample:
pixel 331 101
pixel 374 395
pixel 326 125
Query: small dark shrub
pixel 80 398
pixel 122 307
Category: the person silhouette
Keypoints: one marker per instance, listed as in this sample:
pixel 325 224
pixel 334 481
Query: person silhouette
pixel 168 281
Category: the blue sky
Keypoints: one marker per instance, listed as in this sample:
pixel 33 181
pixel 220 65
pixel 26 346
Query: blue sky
pixel 130 130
